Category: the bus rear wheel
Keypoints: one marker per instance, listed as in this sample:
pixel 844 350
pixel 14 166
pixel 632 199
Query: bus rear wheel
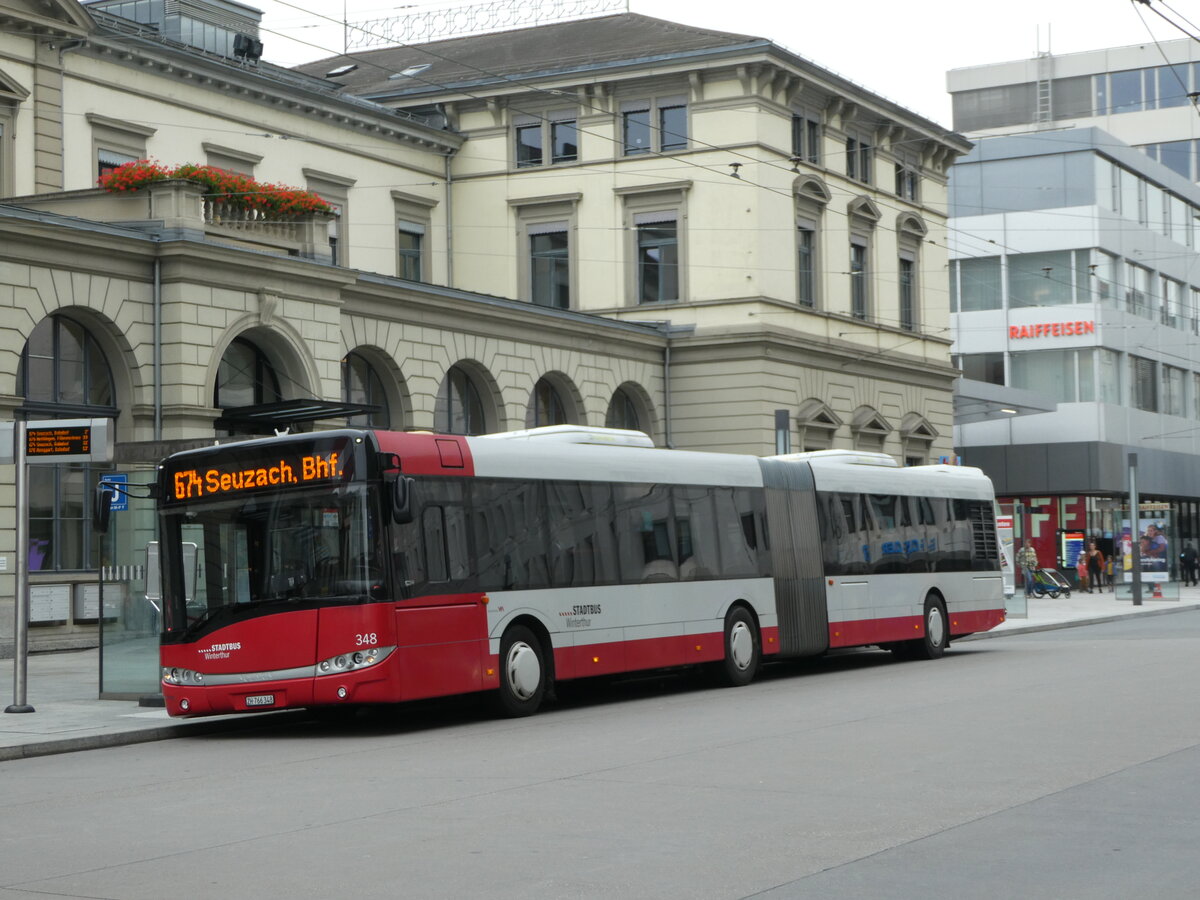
pixel 523 673
pixel 937 633
pixel 743 648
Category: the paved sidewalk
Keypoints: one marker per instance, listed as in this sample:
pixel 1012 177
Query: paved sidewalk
pixel 62 687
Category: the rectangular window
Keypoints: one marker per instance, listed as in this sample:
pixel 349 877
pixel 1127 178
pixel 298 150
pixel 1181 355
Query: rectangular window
pixel 858 160
pixel 529 145
pixel 806 139
pixel 410 240
pixel 907 182
pixel 564 141
pixel 858 280
pixel 550 272
pixel 1143 383
pixel 672 124
pixel 107 160
pixel 657 262
pixel 636 131
pixel 806 246
pixel 907 279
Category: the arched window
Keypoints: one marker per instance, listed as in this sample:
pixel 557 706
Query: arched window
pixel 63 370
pixel 361 384
pixel 459 407
pixel 546 406
pixel 245 377
pixel 622 412
pixel 63 374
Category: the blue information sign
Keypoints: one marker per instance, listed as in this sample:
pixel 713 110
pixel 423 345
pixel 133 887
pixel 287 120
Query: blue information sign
pixel 120 499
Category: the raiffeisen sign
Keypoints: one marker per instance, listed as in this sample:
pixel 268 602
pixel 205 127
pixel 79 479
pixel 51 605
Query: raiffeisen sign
pixel 1052 329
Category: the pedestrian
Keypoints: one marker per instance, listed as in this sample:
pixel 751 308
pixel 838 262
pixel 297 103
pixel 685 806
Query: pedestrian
pixel 1081 567
pixel 1189 561
pixel 1028 561
pixel 1095 567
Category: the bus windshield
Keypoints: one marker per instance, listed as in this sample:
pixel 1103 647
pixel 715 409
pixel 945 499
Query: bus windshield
pixel 277 548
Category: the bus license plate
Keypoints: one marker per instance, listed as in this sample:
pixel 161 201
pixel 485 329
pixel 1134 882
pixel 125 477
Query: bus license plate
pixel 261 700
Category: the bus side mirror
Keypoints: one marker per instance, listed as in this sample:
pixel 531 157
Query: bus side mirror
pixel 102 507
pixel 402 500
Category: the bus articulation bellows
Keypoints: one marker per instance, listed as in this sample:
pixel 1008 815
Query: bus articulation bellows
pixel 355 567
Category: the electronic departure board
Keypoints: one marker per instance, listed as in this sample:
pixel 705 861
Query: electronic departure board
pixel 52 441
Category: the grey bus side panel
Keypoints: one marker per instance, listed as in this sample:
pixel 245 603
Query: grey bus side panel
pixel 796 557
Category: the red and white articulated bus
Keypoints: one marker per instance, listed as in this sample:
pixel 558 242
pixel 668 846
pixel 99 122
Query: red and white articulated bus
pixel 356 567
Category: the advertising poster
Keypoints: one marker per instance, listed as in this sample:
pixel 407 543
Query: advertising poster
pixel 1154 542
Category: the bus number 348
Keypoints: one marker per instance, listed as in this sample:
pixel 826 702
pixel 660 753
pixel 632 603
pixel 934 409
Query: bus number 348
pixel 366 640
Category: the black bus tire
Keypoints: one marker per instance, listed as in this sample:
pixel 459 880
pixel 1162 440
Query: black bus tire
pixel 743 648
pixel 937 631
pixel 523 673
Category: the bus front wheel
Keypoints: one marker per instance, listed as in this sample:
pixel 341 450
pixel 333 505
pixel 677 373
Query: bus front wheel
pixel 743 648
pixel 523 673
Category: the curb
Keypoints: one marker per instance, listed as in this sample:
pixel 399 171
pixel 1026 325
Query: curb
pixel 53 746
pixel 1073 623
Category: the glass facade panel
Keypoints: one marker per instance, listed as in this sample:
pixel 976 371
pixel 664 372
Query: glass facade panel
pixel 1085 366
pixel 1172 395
pixel 1108 376
pixel 1126 91
pixel 1143 383
pixel 1177 155
pixel 987 367
pixel 1107 185
pixel 1047 372
pixel 1172 86
pixel 978 284
pixel 1040 279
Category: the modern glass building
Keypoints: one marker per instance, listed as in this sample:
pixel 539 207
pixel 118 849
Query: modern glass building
pixel 1075 287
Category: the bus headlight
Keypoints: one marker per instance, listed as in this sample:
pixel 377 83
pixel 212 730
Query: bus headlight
pixel 349 662
pixel 175 675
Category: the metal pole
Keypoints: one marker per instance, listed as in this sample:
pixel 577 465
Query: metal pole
pixel 1135 545
pixel 21 599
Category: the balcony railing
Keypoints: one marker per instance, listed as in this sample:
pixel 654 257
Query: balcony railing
pixel 180 209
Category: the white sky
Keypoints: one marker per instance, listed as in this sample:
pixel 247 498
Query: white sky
pixel 898 49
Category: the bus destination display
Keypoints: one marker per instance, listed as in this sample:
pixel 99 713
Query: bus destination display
pixel 310 468
pixel 68 441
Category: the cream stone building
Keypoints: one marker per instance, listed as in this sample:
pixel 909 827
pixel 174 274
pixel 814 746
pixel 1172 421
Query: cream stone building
pixel 692 233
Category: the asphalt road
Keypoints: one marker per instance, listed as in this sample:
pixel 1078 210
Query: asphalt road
pixel 1056 765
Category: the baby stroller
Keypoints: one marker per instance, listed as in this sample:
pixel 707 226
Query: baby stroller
pixel 1052 582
